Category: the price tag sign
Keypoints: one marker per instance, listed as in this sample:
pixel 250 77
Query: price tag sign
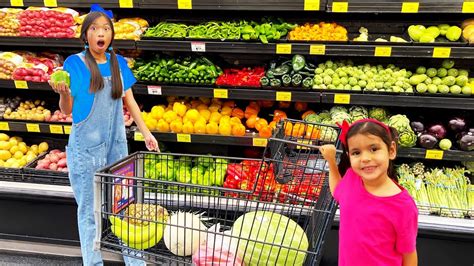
pixel 4 126
pixel 317 49
pixel 410 7
pixel 441 52
pixel 67 130
pixel 21 84
pixel 434 154
pixel 50 3
pixel 221 93
pixel 283 48
pixel 33 128
pixel 198 46
pixel 311 5
pixel 183 137
pixel 126 3
pixel 16 2
pixel 185 4
pixel 340 7
pixel 56 129
pixel 138 136
pixel 468 7
pixel 384 51
pixel 154 90
pixel 259 142
pixel 342 98
pixel 283 96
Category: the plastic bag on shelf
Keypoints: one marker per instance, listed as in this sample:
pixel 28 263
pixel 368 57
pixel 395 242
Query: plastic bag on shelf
pixel 31 72
pixel 48 23
pixel 9 21
pixel 8 63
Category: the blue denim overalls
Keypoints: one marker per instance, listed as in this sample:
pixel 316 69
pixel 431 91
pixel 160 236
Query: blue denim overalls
pixel 95 142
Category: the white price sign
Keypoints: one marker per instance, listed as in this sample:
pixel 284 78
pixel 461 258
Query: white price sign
pixel 154 90
pixel 198 46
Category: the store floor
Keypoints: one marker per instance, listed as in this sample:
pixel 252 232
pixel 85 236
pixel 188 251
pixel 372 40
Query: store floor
pixel 15 259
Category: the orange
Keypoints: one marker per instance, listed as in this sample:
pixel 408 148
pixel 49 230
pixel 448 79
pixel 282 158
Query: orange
pixel 188 128
pixel 265 132
pixel 212 128
pixel 238 130
pixel 176 126
pixel 215 117
pixel 193 115
pixel 235 121
pixel 206 114
pixel 224 119
pixel 251 121
pixel 225 129
pixel 214 108
pixel 237 112
pixel 226 110
pixel 260 123
pixel 163 126
pixel 200 127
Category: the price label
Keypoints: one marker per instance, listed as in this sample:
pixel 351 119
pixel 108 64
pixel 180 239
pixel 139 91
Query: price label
pixel 183 137
pixel 50 3
pixel 185 4
pixel 259 142
pixel 441 52
pixel 198 46
pixel 311 5
pixel 56 129
pixel 468 7
pixel 67 130
pixel 340 7
pixel 21 84
pixel 138 136
pixel 126 3
pixel 221 93
pixel 283 96
pixel 16 2
pixel 33 128
pixel 317 49
pixel 4 126
pixel 283 48
pixel 154 90
pixel 342 98
pixel 383 51
pixel 410 7
pixel 434 154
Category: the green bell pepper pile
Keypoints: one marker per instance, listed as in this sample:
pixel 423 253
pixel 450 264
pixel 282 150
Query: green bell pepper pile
pixel 291 73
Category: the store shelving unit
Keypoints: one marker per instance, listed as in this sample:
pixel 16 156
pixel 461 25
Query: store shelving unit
pixel 438 226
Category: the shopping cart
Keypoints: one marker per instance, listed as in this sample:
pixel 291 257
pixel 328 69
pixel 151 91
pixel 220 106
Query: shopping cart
pixel 271 211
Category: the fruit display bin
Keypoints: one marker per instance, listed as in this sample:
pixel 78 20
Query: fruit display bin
pixel 136 209
pixel 42 176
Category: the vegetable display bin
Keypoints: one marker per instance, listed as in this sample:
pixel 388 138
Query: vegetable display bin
pixel 181 209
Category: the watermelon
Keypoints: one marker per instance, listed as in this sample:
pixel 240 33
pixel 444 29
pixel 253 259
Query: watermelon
pixel 278 232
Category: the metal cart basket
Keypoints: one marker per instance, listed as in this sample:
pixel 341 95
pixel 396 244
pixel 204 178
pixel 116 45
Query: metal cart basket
pixel 164 207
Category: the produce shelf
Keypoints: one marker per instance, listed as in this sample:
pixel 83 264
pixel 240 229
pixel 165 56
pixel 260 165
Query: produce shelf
pixel 329 49
pixel 35 127
pixel 398 6
pixel 37 86
pixel 73 3
pixel 255 141
pixel 230 93
pixel 268 5
pixel 57 43
pixel 462 103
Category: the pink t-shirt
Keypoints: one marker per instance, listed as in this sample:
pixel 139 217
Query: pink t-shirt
pixel 374 230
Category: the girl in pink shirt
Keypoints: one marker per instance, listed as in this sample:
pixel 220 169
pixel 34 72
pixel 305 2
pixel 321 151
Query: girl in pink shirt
pixel 379 219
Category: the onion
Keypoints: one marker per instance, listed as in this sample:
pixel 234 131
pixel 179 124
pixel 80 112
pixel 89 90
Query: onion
pixel 184 233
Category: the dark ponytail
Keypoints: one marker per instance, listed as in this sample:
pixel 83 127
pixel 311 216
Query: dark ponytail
pixel 97 82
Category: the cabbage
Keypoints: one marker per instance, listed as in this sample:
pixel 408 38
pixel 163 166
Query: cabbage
pixel 324 114
pixel 277 231
pixel 60 76
pixel 337 109
pixel 341 116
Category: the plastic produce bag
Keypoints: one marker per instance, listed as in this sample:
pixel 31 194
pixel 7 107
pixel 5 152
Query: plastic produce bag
pixel 8 63
pixel 217 250
pixel 9 21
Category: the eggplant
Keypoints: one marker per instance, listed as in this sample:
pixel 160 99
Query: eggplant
pixel 457 124
pixel 417 126
pixel 427 141
pixel 438 131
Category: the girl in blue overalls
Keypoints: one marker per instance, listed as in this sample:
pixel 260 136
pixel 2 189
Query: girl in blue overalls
pixel 99 81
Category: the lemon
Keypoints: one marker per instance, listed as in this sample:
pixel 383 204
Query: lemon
pixel 2 163
pixel 13 141
pixel 14 149
pixel 43 146
pixel 18 155
pixel 4 137
pixel 34 148
pixel 4 145
pixel 5 155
